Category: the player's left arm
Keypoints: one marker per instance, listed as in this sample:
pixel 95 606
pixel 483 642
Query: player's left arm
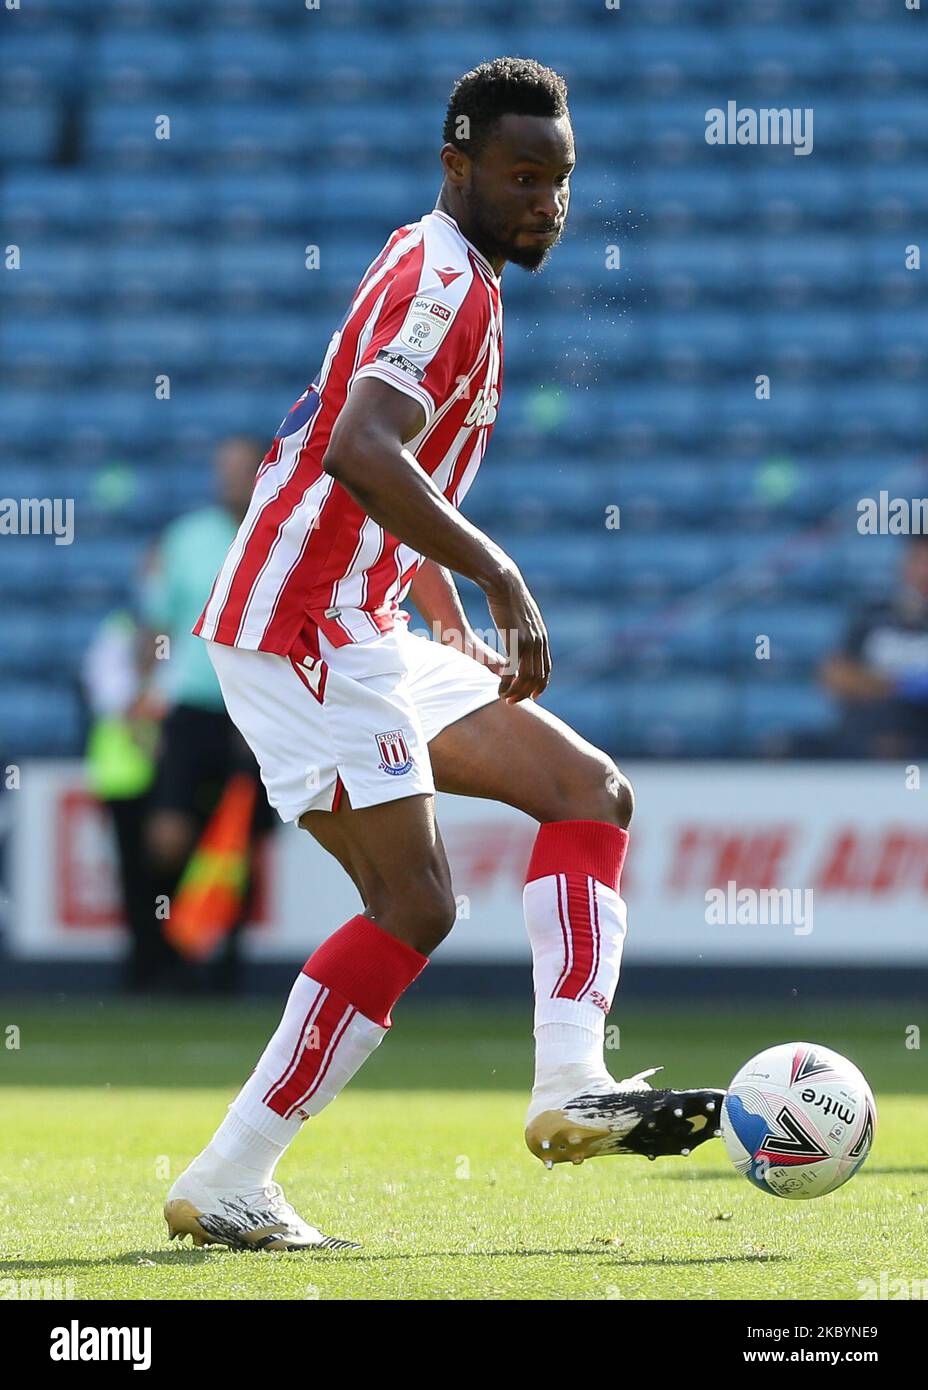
pixel 435 594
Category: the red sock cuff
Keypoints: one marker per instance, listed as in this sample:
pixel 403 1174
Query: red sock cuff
pixel 592 847
pixel 367 966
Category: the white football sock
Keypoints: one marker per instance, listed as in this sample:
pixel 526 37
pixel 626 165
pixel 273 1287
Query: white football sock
pixel 319 1044
pixel 576 925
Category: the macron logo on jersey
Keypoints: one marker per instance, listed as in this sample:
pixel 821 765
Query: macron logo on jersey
pixel 448 274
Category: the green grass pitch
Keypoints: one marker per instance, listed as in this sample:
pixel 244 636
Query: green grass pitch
pixel 423 1160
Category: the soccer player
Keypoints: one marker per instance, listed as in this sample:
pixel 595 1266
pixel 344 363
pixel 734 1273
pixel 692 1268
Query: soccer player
pixel 355 721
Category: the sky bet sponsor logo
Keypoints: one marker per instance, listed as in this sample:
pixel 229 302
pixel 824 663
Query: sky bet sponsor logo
pixel 76 1343
pixel 426 323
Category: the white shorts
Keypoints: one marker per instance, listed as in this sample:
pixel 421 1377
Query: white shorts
pixel 361 717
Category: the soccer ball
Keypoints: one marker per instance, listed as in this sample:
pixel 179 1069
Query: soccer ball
pixel 798 1120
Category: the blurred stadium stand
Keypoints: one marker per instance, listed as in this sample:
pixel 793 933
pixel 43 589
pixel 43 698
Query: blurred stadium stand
pixel 630 387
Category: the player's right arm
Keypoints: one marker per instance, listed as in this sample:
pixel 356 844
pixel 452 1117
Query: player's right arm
pixel 368 457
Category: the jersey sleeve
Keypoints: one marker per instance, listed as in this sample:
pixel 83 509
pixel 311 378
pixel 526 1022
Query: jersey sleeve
pixel 425 342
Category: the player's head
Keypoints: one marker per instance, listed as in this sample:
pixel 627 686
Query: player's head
pixel 236 462
pixel 508 155
pixel 916 565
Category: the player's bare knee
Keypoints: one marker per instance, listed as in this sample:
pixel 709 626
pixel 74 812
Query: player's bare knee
pixel 598 791
pixel 620 794
pixel 420 914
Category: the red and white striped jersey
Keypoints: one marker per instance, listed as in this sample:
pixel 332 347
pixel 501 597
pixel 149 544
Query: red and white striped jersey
pixel 427 318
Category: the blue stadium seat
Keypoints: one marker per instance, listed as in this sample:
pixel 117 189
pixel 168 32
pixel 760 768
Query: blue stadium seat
pixel 139 60
pixel 49 200
pixel 210 413
pixel 660 490
pixel 255 58
pixel 364 59
pixel 676 53
pixel 549 490
pixel 797 488
pixel 97 566
pixel 122 134
pixel 721 338
pixel 268 269
pixel 252 133
pixel 605 129
pixel 165 269
pixel 39 718
pixel 376 130
pixel 28 564
pixel 563 562
pixel 51 58
pixel 802 52
pixel 49 343
pixel 770 716
pixel 259 200
pixel 887 51
pixel 30 131
pixel 829 339
pixel 581 633
pixel 54 272
pixel 380 197
pixel 590 709
pixel 725 266
pixel 169 200
pixel 693 715
pixel 829 265
pixel 807 188
pixel 892 409
pixel 784 564
pixel 278 343
pixel 155 343
pixel 713 196
pixel 684 560
pixel 898 117
pixel 577 50
pixel 801 635
pixel 694 636
pixel 895 331
pixel 900 188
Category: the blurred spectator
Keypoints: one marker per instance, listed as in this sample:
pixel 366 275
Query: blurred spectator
pixel 881 673
pixel 119 768
pixel 199 748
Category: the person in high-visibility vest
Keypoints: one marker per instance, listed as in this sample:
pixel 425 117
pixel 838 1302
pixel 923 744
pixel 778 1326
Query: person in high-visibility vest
pixel 119 769
pixel 206 803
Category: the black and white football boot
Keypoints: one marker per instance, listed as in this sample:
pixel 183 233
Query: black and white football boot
pixel 258 1220
pixel 623 1117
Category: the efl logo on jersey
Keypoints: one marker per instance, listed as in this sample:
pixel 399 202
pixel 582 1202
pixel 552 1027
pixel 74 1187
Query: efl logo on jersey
pixel 394 754
pixel 426 323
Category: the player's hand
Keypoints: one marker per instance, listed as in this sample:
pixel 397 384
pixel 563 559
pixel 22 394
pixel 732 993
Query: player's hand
pixel 519 623
pixel 473 646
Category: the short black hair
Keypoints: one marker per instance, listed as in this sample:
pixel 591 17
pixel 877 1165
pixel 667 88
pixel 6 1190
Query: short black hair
pixel 517 86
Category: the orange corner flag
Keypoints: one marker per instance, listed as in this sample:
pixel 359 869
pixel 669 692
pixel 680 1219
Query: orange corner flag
pixel 210 894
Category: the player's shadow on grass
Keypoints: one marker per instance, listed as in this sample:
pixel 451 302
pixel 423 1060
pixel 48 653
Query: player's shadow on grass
pixel 190 1256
